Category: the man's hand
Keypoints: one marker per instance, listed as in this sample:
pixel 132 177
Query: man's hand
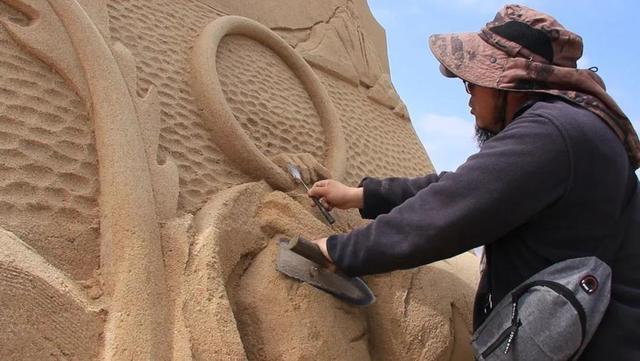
pixel 322 244
pixel 335 194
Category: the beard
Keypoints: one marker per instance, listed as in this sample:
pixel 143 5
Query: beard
pixel 482 135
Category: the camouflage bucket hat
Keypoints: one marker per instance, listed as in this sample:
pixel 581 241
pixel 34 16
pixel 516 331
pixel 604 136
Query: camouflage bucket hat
pixel 525 50
pixel 516 32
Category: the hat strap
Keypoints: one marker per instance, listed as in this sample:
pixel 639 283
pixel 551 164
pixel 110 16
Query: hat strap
pixel 509 47
pixel 535 40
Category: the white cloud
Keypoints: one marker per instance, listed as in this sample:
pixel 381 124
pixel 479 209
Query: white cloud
pixel 449 140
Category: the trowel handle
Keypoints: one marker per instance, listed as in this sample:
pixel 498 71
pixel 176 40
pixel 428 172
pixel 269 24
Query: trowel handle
pixel 324 211
pixel 308 250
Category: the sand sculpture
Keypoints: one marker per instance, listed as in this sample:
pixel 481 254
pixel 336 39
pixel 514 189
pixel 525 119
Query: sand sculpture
pixel 142 190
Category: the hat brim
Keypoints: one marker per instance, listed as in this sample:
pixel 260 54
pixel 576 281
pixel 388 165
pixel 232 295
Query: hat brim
pixel 446 72
pixel 467 56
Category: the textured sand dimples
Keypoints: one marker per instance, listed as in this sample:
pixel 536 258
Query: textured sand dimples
pixel 267 99
pixel 48 162
pixel 219 117
pixel 379 143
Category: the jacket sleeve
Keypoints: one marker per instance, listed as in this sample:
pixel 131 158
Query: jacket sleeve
pixel 382 195
pixel 516 174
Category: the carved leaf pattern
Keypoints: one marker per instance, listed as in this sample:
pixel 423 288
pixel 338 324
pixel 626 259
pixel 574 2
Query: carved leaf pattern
pixel 48 39
pixel 164 176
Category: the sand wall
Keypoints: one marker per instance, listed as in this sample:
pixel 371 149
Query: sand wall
pixel 142 193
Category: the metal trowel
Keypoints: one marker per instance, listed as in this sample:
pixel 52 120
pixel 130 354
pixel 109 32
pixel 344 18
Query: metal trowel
pixel 304 261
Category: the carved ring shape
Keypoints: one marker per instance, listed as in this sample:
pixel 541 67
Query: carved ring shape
pixel 227 133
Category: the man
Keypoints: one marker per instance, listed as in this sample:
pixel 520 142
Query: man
pixel 554 178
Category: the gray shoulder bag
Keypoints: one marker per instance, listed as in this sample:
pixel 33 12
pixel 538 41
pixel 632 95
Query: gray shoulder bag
pixel 552 315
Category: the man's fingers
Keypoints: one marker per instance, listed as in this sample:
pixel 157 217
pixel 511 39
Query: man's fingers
pixel 326 204
pixel 320 184
pixel 317 191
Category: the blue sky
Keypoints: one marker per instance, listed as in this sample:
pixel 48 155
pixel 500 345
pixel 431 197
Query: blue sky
pixel 438 105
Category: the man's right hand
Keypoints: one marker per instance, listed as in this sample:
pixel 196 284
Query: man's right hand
pixel 335 194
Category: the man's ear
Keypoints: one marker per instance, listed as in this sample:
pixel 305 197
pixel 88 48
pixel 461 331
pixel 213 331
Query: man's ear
pixel 515 100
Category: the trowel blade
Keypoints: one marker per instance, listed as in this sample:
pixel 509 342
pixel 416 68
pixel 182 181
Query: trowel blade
pixel 349 289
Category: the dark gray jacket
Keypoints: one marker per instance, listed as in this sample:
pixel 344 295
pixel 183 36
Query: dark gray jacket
pixel 553 185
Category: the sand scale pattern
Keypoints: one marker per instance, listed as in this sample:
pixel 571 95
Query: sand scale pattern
pixel 48 168
pixel 268 100
pixel 160 34
pixel 38 322
pixel 380 144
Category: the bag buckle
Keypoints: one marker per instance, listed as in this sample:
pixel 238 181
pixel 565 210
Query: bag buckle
pixel 589 284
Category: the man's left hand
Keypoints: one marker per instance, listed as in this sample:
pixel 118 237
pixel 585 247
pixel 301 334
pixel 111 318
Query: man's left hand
pixel 322 243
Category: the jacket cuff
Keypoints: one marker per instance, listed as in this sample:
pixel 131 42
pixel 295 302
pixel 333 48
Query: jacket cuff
pixel 334 244
pixel 372 204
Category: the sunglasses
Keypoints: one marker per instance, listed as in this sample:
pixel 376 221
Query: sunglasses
pixel 467 86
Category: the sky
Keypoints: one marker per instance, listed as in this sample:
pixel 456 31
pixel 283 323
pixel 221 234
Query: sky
pixel 438 105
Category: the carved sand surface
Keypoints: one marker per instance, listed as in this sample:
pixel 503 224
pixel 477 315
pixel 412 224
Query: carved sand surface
pixel 48 162
pixel 274 110
pixel 142 189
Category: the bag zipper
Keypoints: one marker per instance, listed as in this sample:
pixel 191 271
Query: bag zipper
pixel 563 291
pixel 510 332
pixel 500 340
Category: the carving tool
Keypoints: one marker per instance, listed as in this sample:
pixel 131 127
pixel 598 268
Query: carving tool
pixel 295 173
